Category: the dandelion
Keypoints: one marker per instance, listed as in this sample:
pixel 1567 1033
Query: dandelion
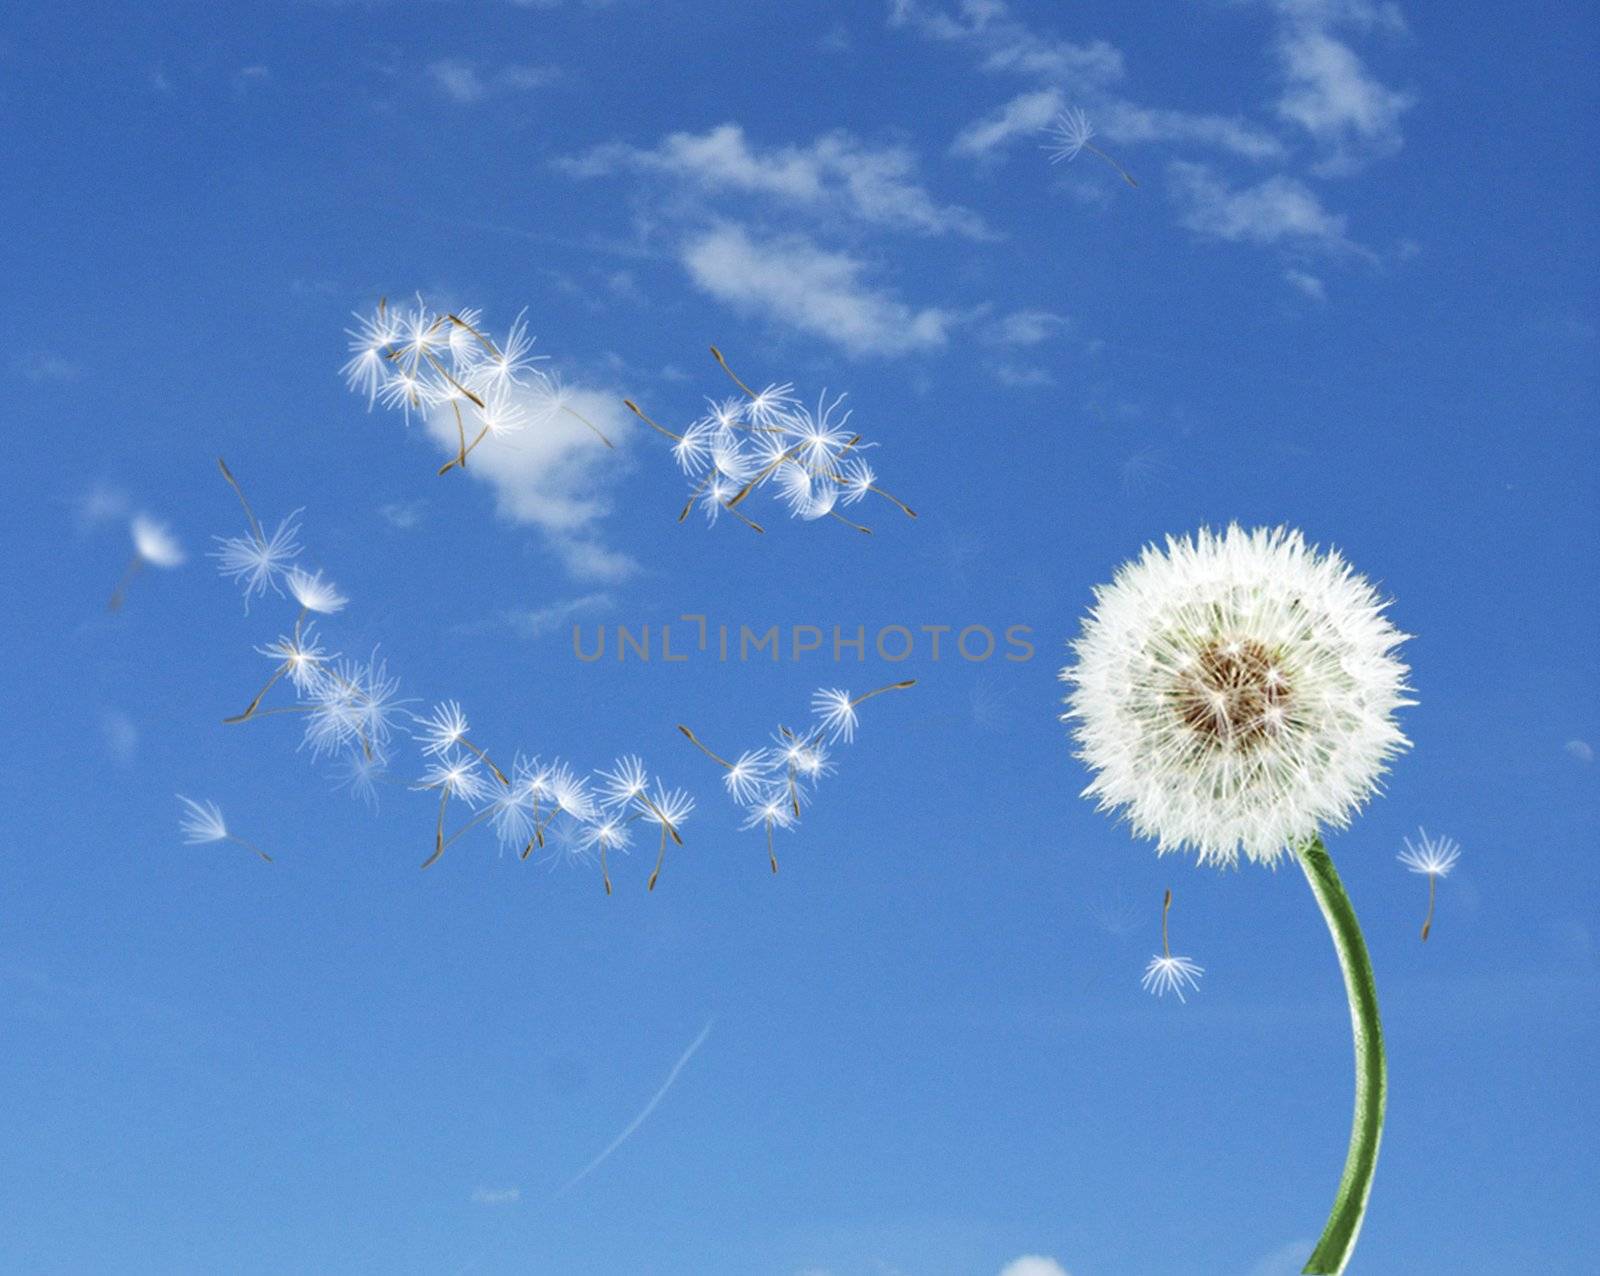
pixel 1434 857
pixel 770 812
pixel 1167 973
pixel 1233 694
pixel 154 545
pixel 837 712
pixel 1070 136
pixel 313 593
pixel 202 822
pixel 359 775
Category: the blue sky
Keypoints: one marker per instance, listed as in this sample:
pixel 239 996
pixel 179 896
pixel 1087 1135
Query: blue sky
pixel 1352 291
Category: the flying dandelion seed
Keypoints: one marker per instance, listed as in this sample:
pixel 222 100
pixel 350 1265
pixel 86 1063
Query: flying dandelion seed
pixel 773 784
pixel 1233 694
pixel 1434 857
pixel 1070 136
pixel 154 545
pixel 769 439
pixel 202 822
pixel 417 359
pixel 1167 973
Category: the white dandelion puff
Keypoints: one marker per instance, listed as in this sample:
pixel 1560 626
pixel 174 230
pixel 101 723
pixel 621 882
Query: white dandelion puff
pixel 1236 692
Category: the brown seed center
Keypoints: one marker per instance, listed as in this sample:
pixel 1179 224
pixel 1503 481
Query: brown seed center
pixel 1233 694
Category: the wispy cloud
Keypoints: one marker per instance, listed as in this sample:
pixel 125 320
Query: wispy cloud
pixel 496 1195
pixel 1276 210
pixel 837 174
pixel 535 622
pixel 1310 285
pixel 1580 750
pixel 1023 328
pixel 98 506
pixel 792 280
pixel 465 81
pixel 1063 73
pixel 555 475
pixel 643 1116
pixel 1328 91
pixel 402 515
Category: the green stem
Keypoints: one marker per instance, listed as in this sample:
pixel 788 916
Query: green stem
pixel 1338 1242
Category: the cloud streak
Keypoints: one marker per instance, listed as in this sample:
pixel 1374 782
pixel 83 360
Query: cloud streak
pixel 643 1116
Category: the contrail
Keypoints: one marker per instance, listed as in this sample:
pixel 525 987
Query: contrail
pixel 642 1117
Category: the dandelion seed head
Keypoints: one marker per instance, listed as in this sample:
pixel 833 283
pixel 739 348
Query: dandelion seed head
pixel 314 593
pixel 301 655
pixel 625 781
pixel 1235 692
pixel 443 729
pixel 1433 856
pixel 1171 974
pixel 770 810
pixel 201 822
pixel 256 564
pixel 668 806
pixel 1069 134
pixel 749 775
pixel 458 776
pixel 836 712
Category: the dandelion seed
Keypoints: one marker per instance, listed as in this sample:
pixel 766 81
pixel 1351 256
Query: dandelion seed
pixel 1434 857
pixel 202 822
pixel 359 775
pixel 1071 134
pixel 443 729
pixel 1167 973
pixel 748 776
pixel 604 836
pixel 313 593
pixel 255 563
pixel 154 545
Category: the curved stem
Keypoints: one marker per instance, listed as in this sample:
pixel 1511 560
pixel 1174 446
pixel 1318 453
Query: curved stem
pixel 1338 1241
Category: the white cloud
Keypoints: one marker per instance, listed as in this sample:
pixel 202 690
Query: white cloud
pixel 836 173
pixel 1026 114
pixel 1582 750
pixel 1330 94
pixel 1033 1265
pixel 788 278
pixel 403 515
pixel 554 475
pixel 1308 284
pixel 1065 74
pixel 1024 328
pixel 462 81
pixel 1007 45
pixel 496 1195
pixel 1276 210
